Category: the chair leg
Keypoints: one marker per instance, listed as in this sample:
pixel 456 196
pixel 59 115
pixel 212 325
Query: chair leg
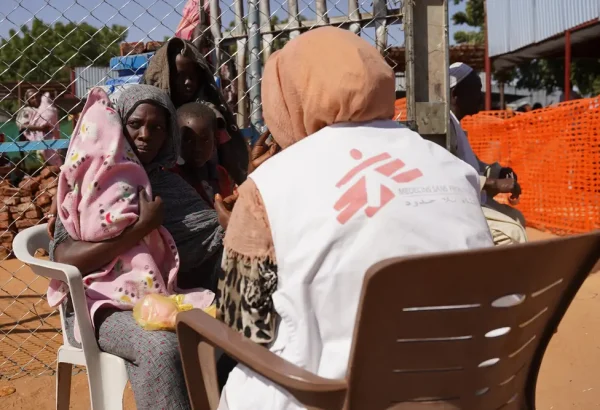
pixel 63 385
pixel 107 385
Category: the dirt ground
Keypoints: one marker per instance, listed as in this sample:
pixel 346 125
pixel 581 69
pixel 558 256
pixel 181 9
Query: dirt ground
pixel 568 378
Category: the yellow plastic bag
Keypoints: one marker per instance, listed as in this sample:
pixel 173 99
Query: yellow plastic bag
pixel 158 312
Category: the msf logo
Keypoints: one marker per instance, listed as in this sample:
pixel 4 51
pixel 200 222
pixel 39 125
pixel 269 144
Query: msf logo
pixel 375 177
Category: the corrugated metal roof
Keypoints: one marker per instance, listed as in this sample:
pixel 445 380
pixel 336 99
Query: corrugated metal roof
pixel 88 77
pixel 514 24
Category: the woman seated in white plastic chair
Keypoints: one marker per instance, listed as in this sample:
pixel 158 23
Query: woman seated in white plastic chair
pixel 152 358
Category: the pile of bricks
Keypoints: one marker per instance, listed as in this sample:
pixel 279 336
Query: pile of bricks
pixel 139 47
pixel 25 206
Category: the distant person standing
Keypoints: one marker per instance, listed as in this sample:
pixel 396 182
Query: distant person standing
pixel 38 120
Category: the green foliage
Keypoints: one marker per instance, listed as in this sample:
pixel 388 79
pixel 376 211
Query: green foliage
pixel 43 52
pixel 473 16
pixel 534 75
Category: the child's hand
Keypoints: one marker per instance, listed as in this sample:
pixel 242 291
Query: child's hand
pixel 151 211
pixel 262 151
pixel 224 207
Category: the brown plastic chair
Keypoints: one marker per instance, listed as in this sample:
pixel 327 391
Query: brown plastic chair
pixel 465 330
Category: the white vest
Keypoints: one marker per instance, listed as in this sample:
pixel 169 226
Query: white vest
pixel 339 201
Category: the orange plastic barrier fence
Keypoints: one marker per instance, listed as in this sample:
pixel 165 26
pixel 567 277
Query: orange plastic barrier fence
pixel 556 153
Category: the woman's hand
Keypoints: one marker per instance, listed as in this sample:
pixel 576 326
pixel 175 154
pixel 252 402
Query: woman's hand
pixel 262 151
pixel 224 207
pixel 52 218
pixel 151 211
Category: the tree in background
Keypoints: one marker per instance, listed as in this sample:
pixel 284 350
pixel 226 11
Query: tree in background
pixel 537 74
pixel 44 53
pixel 473 16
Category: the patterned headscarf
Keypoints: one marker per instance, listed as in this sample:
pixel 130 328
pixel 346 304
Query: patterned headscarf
pixel 136 95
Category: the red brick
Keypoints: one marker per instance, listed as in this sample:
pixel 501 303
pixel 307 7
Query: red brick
pixel 54 169
pixel 5 253
pixel 132 48
pixel 5 216
pixel 153 46
pixel 12 201
pixel 45 173
pixel 43 200
pixel 29 184
pixel 22 208
pixel 26 223
pixel 51 182
pixel 34 214
pixel 4 225
pixel 7 237
pixel 9 191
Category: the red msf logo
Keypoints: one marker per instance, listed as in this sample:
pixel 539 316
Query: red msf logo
pixel 374 188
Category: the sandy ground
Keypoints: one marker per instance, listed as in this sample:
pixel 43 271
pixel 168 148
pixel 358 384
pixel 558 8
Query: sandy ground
pixel 568 378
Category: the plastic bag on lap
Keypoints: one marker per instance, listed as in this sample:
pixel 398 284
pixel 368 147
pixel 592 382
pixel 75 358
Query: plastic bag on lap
pixel 159 312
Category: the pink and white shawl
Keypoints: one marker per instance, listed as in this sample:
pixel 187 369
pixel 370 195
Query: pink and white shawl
pixel 46 115
pixel 98 199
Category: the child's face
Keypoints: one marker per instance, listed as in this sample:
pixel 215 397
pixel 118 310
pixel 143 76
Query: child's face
pixel 198 141
pixel 186 79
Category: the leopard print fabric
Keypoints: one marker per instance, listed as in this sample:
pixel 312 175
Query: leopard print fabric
pixel 244 297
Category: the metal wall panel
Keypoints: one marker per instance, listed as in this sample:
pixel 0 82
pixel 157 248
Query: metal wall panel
pixel 550 18
pixel 88 77
pixel 514 24
pixel 580 11
pixel 521 27
pixel 498 34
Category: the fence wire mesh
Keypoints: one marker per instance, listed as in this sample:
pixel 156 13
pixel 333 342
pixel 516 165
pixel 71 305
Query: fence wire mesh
pixel 63 48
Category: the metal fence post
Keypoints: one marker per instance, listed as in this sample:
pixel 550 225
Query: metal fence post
pixel 426 42
pixel 255 63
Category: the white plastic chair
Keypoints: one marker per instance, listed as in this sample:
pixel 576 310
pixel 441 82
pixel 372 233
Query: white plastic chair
pixel 107 375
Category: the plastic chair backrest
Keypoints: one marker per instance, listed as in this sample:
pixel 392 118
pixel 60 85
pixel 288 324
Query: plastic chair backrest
pixel 25 245
pixel 465 330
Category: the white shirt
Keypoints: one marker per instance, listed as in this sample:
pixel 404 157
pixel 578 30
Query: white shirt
pixel 339 201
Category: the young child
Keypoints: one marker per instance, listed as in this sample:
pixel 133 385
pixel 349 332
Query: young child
pixel 180 69
pixel 200 125
pixel 98 191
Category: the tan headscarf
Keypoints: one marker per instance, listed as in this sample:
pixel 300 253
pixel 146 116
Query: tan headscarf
pixel 322 77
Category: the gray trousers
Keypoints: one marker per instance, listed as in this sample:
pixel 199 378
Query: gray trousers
pixel 152 357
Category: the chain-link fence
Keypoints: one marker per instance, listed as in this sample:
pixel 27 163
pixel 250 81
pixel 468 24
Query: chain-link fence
pixel 52 52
